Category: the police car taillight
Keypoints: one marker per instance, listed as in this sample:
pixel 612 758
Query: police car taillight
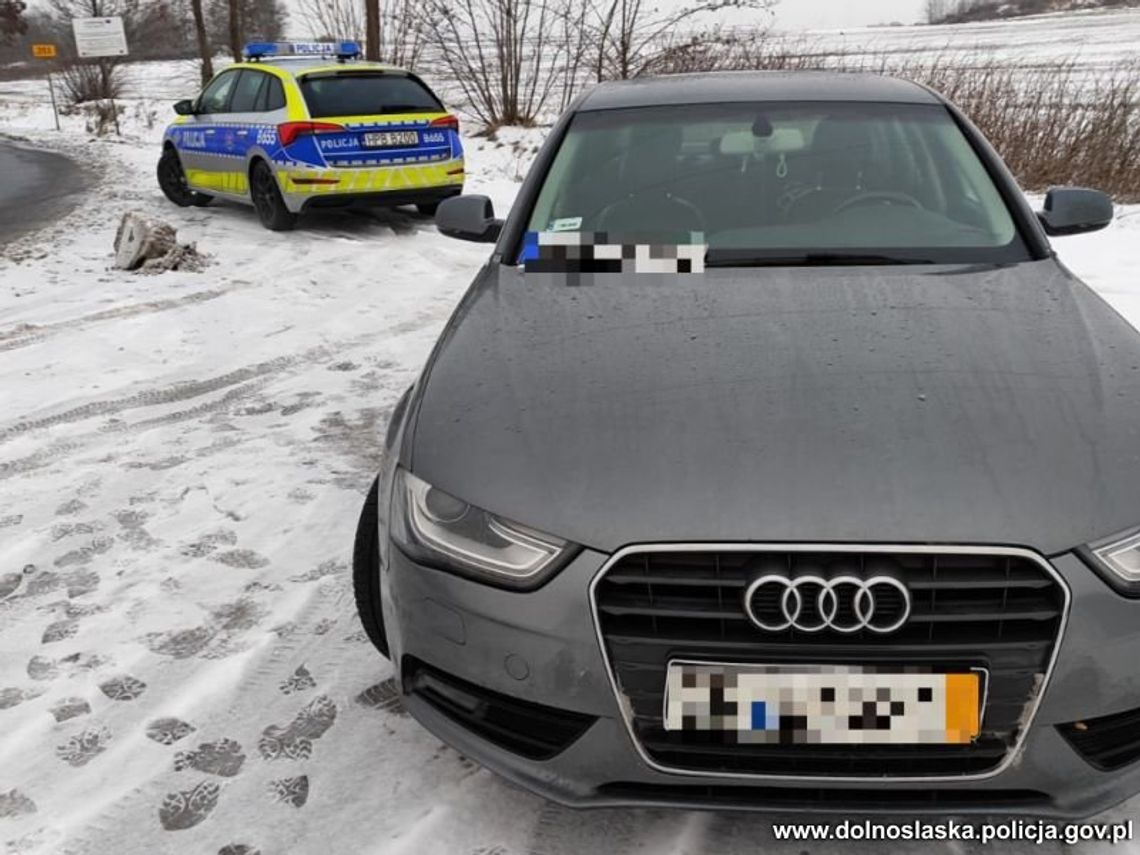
pixel 446 122
pixel 288 132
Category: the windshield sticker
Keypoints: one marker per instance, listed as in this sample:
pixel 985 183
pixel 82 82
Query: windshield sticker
pixel 566 224
pixel 596 252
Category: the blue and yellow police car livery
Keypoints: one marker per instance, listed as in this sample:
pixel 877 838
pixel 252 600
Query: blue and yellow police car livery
pixel 306 124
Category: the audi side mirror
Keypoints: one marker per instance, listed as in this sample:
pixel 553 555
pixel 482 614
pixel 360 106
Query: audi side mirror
pixel 185 107
pixel 1074 211
pixel 468 218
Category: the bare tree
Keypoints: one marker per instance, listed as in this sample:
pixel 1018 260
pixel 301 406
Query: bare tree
pixel 631 36
pixel 504 54
pixel 12 23
pixel 342 19
pixel 936 11
pixel 372 30
pixel 207 64
pixel 402 34
pixel 234 10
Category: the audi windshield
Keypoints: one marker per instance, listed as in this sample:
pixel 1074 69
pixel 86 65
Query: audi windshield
pixel 780 183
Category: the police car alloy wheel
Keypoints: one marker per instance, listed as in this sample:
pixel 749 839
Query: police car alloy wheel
pixel 267 199
pixel 172 181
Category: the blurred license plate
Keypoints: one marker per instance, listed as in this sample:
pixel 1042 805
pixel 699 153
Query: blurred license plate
pixel 826 704
pixel 386 139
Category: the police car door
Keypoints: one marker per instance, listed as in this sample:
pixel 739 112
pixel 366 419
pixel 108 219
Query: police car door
pixel 200 141
pixel 255 110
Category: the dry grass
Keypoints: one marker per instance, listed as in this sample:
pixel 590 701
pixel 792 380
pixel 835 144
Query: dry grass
pixel 1052 124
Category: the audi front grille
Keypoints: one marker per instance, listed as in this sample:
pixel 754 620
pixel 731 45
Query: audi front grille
pixel 1000 611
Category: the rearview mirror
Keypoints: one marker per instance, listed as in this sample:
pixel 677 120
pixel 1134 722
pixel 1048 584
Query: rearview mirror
pixel 468 218
pixel 1075 210
pixel 185 107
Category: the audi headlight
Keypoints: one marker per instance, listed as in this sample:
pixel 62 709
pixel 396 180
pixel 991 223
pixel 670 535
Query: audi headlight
pixel 441 530
pixel 1118 558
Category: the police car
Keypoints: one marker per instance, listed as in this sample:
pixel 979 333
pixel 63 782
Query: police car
pixel 308 125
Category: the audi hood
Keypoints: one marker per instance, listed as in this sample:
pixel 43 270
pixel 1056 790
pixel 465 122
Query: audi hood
pixel 950 404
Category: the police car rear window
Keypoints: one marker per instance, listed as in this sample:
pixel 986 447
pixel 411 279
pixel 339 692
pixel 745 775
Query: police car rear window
pixel 363 94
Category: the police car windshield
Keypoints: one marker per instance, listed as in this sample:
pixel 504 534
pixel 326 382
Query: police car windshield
pixel 780 183
pixel 365 94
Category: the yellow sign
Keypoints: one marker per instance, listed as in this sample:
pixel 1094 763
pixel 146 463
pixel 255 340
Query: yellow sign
pixel 43 51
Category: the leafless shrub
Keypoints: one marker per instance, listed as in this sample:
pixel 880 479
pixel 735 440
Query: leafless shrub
pixel 90 80
pixel 342 19
pixel 504 55
pixel 402 28
pixel 632 38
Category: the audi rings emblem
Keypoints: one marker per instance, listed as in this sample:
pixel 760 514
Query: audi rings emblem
pixel 845 604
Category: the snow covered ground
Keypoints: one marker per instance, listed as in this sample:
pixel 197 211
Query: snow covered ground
pixel 182 460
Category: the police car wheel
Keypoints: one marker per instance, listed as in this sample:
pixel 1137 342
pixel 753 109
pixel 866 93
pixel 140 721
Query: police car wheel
pixel 267 199
pixel 172 181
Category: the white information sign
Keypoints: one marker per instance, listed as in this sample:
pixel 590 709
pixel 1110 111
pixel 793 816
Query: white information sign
pixel 98 37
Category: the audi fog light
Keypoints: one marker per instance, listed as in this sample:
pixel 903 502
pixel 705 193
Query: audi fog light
pixel 1120 555
pixel 444 531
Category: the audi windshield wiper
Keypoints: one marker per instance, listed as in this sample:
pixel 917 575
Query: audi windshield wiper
pixel 731 258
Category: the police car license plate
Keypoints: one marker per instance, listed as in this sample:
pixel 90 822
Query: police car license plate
pixel 826 704
pixel 388 139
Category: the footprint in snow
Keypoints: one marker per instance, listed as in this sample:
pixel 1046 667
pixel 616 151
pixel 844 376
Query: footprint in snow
pixel 238 849
pixel 81 748
pixel 292 791
pixel 186 808
pixel 294 741
pixel 59 630
pixel 42 668
pixel 179 644
pixel 299 681
pixel 383 696
pixel 125 688
pixel 167 731
pixel 72 507
pixel 15 803
pixel 85 554
pixel 8 583
pixel 223 758
pixel 12 696
pixel 241 558
pixel 69 708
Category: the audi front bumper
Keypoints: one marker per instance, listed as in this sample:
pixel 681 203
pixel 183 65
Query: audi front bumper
pixel 519 682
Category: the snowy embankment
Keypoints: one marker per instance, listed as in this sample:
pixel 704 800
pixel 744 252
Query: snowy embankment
pixel 182 460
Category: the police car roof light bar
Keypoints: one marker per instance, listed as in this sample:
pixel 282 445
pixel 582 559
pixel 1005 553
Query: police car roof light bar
pixel 342 50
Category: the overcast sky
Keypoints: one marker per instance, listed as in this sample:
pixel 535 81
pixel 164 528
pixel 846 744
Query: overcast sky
pixel 817 14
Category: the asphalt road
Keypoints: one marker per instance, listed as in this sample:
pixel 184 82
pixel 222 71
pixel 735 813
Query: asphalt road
pixel 35 188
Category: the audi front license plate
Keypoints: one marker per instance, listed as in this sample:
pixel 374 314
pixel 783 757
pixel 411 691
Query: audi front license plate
pixel 391 139
pixel 823 705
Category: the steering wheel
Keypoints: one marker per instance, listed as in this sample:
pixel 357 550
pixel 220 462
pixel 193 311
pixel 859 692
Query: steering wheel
pixel 872 196
pixel 693 210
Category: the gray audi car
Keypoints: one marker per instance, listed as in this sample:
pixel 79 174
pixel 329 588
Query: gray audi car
pixel 771 461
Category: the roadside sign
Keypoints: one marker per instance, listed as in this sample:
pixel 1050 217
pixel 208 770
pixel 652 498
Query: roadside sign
pixel 97 37
pixel 43 51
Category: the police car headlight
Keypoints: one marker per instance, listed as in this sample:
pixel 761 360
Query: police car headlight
pixel 1118 559
pixel 443 531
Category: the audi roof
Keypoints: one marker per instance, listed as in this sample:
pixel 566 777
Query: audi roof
pixel 738 86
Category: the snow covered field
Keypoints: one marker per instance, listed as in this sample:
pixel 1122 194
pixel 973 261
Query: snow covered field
pixel 182 461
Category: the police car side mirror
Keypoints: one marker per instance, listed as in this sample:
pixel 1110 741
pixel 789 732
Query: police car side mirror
pixel 468 218
pixel 185 107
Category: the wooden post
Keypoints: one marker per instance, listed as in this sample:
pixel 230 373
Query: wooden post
pixel 54 109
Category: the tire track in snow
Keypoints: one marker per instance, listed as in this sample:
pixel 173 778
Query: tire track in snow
pixel 23 335
pixel 181 391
